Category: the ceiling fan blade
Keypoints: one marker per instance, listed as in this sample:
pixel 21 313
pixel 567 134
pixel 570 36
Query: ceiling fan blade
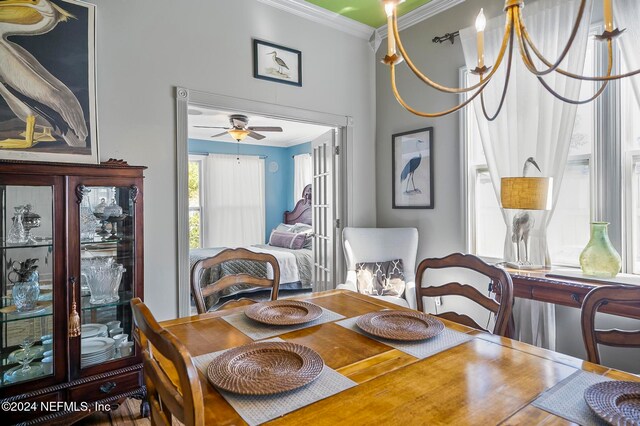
pixel 256 136
pixel 211 127
pixel 220 134
pixel 265 128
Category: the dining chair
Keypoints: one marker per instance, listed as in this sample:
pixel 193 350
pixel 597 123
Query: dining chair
pixel 182 401
pixel 202 292
pixel 380 245
pixel 593 301
pixel 500 285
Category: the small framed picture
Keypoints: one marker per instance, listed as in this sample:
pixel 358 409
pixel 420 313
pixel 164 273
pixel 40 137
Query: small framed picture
pixel 277 63
pixel 412 169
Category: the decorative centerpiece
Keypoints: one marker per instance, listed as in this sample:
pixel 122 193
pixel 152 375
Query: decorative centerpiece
pixel 599 258
pixel 114 215
pixel 26 288
pixel 102 276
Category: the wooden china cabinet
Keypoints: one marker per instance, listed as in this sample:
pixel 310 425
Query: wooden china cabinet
pixel 66 326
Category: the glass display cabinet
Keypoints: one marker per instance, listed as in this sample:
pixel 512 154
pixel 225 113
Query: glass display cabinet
pixel 72 259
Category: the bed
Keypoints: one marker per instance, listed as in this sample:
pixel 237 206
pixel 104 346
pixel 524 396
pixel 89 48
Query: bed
pixel 295 264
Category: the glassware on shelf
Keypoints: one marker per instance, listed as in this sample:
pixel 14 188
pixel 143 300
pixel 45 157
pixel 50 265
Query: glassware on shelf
pixel 25 371
pixel 103 277
pixel 87 218
pixel 100 207
pixel 112 209
pixel 98 212
pixel 26 288
pixel 17 234
pixel 30 220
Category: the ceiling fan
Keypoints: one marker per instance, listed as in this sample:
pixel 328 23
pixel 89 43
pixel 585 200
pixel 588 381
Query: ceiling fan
pixel 239 129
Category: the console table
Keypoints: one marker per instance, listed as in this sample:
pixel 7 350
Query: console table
pixel 538 285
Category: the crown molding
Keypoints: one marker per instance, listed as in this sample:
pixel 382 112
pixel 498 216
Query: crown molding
pixel 323 16
pixel 419 14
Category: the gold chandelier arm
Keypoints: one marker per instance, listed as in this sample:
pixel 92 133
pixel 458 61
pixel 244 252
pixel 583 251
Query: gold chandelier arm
pixel 579 102
pixel 523 33
pixel 608 77
pixel 426 114
pixel 427 80
pixel 504 89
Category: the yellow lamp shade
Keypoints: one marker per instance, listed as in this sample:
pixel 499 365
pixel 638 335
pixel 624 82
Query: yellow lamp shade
pixel 526 193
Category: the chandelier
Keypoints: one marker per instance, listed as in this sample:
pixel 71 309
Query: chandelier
pixel 515 32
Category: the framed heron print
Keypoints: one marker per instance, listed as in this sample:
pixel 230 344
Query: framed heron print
pixel 47 81
pixel 277 63
pixel 412 169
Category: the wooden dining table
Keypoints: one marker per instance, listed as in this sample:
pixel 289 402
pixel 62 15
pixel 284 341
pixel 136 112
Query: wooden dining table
pixel 485 381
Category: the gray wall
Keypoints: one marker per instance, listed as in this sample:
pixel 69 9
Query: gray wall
pixel 146 48
pixel 442 229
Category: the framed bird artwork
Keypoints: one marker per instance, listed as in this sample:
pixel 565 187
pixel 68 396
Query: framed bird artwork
pixel 277 63
pixel 47 81
pixel 412 169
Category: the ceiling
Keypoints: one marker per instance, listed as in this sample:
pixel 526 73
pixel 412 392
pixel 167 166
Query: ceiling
pixel 293 133
pixel 368 12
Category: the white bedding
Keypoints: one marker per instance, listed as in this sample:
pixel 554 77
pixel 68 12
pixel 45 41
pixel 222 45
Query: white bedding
pixel 287 262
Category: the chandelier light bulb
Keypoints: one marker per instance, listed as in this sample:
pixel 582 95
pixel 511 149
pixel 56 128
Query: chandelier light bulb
pixel 481 21
pixel 388 8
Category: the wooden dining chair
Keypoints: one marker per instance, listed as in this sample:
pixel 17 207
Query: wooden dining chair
pixel 500 285
pixel 593 301
pixel 182 400
pixel 200 292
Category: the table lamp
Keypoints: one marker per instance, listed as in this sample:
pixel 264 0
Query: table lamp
pixel 525 193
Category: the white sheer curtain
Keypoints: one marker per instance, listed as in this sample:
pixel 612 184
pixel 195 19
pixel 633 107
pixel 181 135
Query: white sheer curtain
pixel 301 174
pixel 234 206
pixel 626 14
pixel 532 124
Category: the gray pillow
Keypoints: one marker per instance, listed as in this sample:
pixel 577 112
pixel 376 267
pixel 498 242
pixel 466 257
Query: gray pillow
pixel 380 278
pixel 287 240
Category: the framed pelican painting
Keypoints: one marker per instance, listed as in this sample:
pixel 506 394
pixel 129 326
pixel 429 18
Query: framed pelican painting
pixel 277 63
pixel 412 169
pixel 47 81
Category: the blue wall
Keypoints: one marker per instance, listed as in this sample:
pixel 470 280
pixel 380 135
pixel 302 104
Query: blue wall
pixel 278 186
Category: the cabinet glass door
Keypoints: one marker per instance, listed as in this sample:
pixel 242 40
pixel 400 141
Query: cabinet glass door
pixel 107 261
pixel 27 271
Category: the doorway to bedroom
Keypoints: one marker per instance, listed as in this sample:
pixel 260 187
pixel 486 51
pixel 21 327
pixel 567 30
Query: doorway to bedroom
pixel 260 189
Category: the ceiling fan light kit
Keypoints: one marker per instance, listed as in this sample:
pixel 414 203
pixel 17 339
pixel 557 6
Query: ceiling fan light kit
pixel 515 34
pixel 239 129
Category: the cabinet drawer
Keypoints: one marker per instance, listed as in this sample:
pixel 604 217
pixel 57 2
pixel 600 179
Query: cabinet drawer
pixel 105 388
pixel 560 297
pixel 36 406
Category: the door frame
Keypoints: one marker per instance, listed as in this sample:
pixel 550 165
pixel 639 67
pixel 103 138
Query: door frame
pixel 344 142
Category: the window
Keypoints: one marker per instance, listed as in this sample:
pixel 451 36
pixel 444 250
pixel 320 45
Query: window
pixel 630 135
pixel 600 138
pixel 195 202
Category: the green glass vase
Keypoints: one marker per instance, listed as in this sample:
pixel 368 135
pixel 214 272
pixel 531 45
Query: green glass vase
pixel 599 258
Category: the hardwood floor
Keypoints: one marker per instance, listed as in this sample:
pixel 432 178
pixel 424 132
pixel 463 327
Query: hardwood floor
pixel 127 414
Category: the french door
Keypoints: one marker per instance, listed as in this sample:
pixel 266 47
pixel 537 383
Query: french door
pixel 325 223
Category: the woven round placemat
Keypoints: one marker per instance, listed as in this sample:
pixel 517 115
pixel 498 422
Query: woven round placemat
pixel 615 402
pixel 400 325
pixel 283 312
pixel 265 368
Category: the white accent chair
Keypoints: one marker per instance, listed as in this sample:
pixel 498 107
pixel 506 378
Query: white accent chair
pixel 381 245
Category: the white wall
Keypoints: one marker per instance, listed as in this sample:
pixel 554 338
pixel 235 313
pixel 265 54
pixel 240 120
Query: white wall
pixel 147 47
pixel 442 229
